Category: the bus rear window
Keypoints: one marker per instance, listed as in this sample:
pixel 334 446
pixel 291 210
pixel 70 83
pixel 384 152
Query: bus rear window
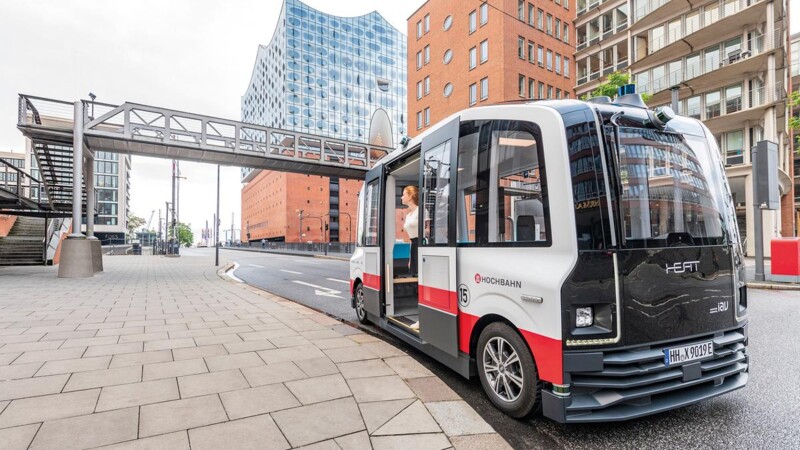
pixel 668 197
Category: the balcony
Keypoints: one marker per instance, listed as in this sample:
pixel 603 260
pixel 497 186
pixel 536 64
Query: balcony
pixel 752 58
pixel 733 15
pixel 732 112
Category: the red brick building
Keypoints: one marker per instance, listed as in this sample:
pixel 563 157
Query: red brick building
pixel 463 54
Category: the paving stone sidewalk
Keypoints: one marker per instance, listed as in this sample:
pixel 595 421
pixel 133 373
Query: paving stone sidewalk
pixel 163 353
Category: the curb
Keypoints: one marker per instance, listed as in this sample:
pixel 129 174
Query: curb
pixel 337 258
pixel 774 286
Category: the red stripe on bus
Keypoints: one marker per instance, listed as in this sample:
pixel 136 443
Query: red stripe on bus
pixel 372 281
pixel 440 299
pixel 547 352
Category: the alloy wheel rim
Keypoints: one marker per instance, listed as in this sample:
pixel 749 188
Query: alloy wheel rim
pixel 503 369
pixel 360 302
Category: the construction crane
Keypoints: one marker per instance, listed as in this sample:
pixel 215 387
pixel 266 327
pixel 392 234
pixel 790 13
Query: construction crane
pixel 151 220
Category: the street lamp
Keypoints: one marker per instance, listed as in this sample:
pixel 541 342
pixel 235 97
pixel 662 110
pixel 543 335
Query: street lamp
pixel 92 96
pixel 349 229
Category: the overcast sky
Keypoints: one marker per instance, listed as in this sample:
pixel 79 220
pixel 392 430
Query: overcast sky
pixel 189 55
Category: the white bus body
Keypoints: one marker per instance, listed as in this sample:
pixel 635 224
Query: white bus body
pixel 582 259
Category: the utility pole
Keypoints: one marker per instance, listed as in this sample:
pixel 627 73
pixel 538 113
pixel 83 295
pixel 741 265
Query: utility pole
pixel 233 236
pixel 159 229
pixel 216 223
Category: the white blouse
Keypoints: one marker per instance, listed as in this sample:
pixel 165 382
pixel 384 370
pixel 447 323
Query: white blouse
pixel 411 224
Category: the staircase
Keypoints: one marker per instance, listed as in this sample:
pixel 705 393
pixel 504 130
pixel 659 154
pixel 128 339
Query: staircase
pixel 24 244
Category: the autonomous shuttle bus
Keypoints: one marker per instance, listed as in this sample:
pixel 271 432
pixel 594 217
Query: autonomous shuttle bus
pixel 581 258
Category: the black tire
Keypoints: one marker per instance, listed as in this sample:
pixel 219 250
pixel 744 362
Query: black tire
pixel 517 403
pixel 361 313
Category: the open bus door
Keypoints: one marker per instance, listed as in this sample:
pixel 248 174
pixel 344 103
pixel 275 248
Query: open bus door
pixel 373 236
pixel 438 303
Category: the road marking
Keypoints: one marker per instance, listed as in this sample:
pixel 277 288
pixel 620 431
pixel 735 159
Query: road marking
pixel 319 290
pixel 292 271
pixel 304 261
pixel 256 265
pixel 231 275
pixel 338 281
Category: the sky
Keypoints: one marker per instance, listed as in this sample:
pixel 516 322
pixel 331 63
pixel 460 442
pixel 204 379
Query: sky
pixel 189 55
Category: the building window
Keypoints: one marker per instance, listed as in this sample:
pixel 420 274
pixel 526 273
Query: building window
pixel 541 90
pixel 522 85
pixel 448 89
pixel 531 14
pixel 484 51
pixel 549 24
pixel 540 56
pixel 427 54
pixel 473 94
pixel 521 10
pixel 419 90
pixel 531 87
pixel 419 120
pixel 549 91
pixel 484 13
pixel 419 29
pixel 550 60
pixel 521 47
pixel 540 19
pixel 558 63
pixel 427 23
pixel 473 58
pixel 566 67
pixel 427 116
pixel 484 88
pixel 473 22
pixel 448 22
pixel 558 29
pixel 427 85
pixel 565 35
pixel 419 59
pixel 448 56
pixel 531 53
pixel 566 94
pixel 558 94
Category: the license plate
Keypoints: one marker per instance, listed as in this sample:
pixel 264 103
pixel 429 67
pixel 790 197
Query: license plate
pixel 686 353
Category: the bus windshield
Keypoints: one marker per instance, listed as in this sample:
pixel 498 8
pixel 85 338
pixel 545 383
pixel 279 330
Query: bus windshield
pixel 671 193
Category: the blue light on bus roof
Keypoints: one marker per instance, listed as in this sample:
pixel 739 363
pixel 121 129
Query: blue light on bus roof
pixel 627 89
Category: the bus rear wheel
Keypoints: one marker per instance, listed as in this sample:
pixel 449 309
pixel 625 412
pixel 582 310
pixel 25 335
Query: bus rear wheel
pixel 361 313
pixel 507 371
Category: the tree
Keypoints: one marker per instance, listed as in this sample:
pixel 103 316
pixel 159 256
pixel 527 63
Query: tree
pixel 610 86
pixel 134 222
pixel 185 235
pixel 794 121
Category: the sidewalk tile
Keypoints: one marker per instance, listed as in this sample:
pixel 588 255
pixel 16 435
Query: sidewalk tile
pixel 18 371
pixel 217 340
pixel 254 433
pixel 135 394
pixel 480 442
pixel 320 421
pixel 68 335
pixel 231 330
pixel 48 407
pixel 166 328
pixel 22 338
pixel 355 441
pixel 114 349
pixel 320 389
pixel 189 333
pixel 198 352
pixel 179 415
pixel 290 354
pixel 338 342
pixel 174 369
pixel 415 441
pixel 143 337
pixel 330 444
pixel 99 326
pixel 205 325
pixel 258 400
pixel 138 359
pixel 88 431
pixel 237 361
pixel 249 346
pixel 165 344
pixel 320 334
pixel 365 369
pixel 8 358
pixel 288 341
pixel 30 346
pixel 50 355
pixel 211 383
pixel 317 367
pixel 18 438
pixel 30 387
pixel 121 331
pixel 347 354
pixel 273 373
pixel 85 342
pixel 383 350
pixel 376 414
pixel 102 378
pixel 171 441
pixel 413 420
pixel 458 418
pixel 74 365
pixel 379 389
pixel 432 389
pixel 407 367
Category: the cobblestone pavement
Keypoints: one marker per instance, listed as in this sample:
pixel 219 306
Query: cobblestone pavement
pixel 163 353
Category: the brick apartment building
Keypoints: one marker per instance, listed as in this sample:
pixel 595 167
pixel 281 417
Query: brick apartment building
pixel 467 53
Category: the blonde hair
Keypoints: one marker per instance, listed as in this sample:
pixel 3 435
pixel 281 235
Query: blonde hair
pixel 414 191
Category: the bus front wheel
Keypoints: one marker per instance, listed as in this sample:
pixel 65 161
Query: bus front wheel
pixel 361 313
pixel 507 371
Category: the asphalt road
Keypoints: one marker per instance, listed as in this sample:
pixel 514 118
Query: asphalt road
pixel 763 415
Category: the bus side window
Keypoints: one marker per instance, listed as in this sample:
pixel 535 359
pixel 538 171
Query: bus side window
pixel 468 206
pixel 371 222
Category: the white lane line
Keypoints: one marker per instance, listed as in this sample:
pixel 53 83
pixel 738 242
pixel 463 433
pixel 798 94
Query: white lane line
pixel 319 290
pixel 256 265
pixel 338 281
pixel 292 271
pixel 232 276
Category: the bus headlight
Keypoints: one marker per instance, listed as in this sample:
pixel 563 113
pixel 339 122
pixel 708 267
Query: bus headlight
pixel 584 317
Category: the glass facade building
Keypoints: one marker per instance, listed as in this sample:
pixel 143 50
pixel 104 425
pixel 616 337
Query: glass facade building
pixel 326 75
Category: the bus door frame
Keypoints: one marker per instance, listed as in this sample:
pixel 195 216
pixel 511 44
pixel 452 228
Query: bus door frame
pixel 374 298
pixel 438 302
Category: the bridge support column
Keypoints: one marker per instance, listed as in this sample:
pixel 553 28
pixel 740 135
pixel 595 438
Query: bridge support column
pixel 76 250
pixel 97 249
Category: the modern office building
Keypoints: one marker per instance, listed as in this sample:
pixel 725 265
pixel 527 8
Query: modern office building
pixel 728 61
pixel 462 54
pixel 112 187
pixel 322 75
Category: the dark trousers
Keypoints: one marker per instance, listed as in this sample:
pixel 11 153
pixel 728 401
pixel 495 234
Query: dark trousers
pixel 414 258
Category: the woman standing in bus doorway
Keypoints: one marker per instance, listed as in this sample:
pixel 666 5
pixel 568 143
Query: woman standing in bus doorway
pixel 411 226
